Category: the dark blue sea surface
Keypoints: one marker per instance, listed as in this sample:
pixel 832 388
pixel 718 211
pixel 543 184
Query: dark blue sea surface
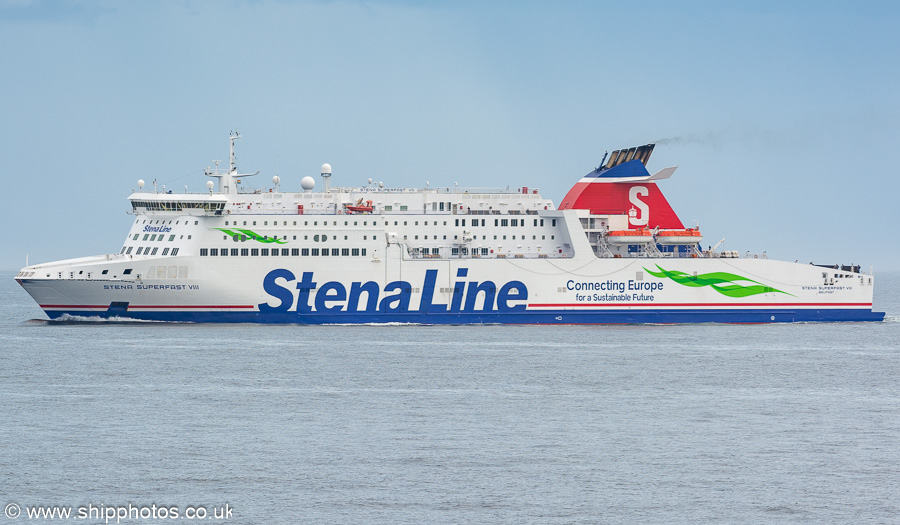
pixel 453 424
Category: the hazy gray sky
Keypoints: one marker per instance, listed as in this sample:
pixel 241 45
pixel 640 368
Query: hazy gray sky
pixel 783 116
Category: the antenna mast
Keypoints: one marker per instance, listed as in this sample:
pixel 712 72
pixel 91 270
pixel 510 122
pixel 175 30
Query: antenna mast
pixel 234 135
pixel 228 181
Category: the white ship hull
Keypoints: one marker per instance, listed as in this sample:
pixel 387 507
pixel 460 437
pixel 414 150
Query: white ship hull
pixel 521 291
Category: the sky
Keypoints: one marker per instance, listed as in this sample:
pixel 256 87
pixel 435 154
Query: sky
pixel 783 117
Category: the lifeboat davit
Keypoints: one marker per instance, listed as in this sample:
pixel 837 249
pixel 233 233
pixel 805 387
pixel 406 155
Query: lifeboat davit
pixel 688 236
pixel 630 236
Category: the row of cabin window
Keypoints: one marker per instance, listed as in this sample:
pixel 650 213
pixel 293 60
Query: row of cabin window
pixel 317 238
pixel 163 221
pixel 457 222
pixel 484 237
pixel 324 238
pixel 283 252
pixel 501 222
pixel 152 237
pixel 305 223
pixel 453 251
pixel 146 250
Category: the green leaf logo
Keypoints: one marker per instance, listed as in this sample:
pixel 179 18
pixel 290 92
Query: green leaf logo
pixel 722 282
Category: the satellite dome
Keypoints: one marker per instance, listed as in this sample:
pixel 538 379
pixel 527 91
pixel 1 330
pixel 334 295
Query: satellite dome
pixel 276 179
pixel 209 184
pixel 140 183
pixel 308 183
pixel 326 169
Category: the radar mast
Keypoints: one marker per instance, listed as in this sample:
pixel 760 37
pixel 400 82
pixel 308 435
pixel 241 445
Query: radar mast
pixel 228 181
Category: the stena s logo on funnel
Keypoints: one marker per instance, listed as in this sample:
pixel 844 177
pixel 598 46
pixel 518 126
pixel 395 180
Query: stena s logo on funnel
pixel 639 214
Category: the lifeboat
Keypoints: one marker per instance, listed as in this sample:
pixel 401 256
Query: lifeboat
pixel 688 236
pixel 630 237
pixel 359 207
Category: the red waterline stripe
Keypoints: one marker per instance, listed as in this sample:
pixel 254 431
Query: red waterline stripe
pixel 695 305
pixel 131 307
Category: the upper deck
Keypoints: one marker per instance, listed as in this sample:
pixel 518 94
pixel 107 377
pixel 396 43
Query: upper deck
pixel 233 197
pixel 342 200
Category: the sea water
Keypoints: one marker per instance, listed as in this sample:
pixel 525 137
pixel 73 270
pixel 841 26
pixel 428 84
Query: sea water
pixel 450 424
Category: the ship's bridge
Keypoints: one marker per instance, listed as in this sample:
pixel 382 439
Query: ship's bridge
pixel 181 203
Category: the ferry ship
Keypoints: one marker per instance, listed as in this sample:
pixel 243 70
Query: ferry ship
pixel 613 251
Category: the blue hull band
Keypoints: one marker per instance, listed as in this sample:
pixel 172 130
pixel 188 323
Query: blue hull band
pixel 528 317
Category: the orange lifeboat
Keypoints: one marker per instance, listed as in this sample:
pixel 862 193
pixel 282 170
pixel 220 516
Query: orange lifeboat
pixel 688 236
pixel 359 208
pixel 641 236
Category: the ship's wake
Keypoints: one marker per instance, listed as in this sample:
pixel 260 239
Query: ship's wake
pixel 77 319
